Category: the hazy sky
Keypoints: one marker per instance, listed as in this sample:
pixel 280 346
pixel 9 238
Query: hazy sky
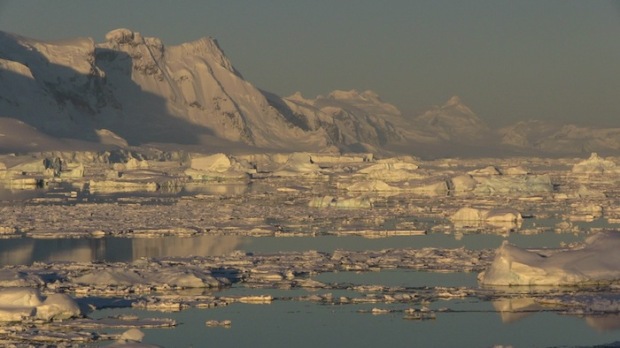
pixel 507 59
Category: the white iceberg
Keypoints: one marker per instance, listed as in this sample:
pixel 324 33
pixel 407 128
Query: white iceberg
pixel 298 164
pixel 131 338
pixel 513 184
pixel 17 304
pixel 595 165
pixel 478 217
pixel 595 262
pixel 217 167
pixel 371 186
pixel 391 170
pixel 462 183
pixel 342 203
pixel 489 170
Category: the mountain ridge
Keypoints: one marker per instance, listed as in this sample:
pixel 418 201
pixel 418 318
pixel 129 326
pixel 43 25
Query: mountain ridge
pixel 132 90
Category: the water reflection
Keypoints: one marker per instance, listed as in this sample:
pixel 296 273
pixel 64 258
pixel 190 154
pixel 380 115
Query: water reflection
pixel 603 323
pixel 25 251
pixel 115 249
pixel 199 246
pixel 512 310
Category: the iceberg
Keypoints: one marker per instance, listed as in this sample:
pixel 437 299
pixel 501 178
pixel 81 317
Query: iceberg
pixel 477 217
pixel 596 261
pixel 17 304
pixel 218 167
pixel 595 165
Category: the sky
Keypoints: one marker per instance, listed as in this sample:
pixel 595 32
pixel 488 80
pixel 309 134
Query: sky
pixel 556 60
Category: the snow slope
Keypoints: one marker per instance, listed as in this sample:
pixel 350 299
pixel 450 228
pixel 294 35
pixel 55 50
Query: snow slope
pixel 351 117
pixel 453 121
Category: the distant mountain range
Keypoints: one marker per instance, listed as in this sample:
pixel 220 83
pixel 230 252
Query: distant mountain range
pixel 133 91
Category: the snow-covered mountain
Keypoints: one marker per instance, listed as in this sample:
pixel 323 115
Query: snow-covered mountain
pixel 351 118
pixel 132 90
pixel 140 90
pixel 453 122
pixel 557 139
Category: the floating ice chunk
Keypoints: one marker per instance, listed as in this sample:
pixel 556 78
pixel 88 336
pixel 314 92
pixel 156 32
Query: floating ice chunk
pixel 392 169
pixel 73 171
pixel 162 276
pixel 370 186
pixel 388 166
pixel 218 167
pixel 257 299
pixel 217 163
pixel 595 165
pixel 337 158
pixel 428 187
pixel 131 338
pixel 109 277
pixel 474 217
pixel 469 214
pixel 220 323
pixel 322 202
pixel 28 167
pixel 20 297
pixel 15 314
pixel 515 184
pixel 19 303
pixel 133 164
pixel 9 278
pixel 344 203
pixel 58 306
pixel 596 261
pixel 134 335
pixel 489 170
pixel 462 183
pixel 298 164
pixel 585 192
pixel 121 186
pixel 518 170
pixel 500 215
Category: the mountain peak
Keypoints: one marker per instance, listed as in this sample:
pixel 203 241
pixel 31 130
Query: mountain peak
pixel 340 94
pixel 208 47
pixel 454 101
pixel 121 36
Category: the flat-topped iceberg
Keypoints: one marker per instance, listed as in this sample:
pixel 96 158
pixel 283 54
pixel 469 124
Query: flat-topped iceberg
pixel 595 261
pixel 218 167
pixel 478 217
